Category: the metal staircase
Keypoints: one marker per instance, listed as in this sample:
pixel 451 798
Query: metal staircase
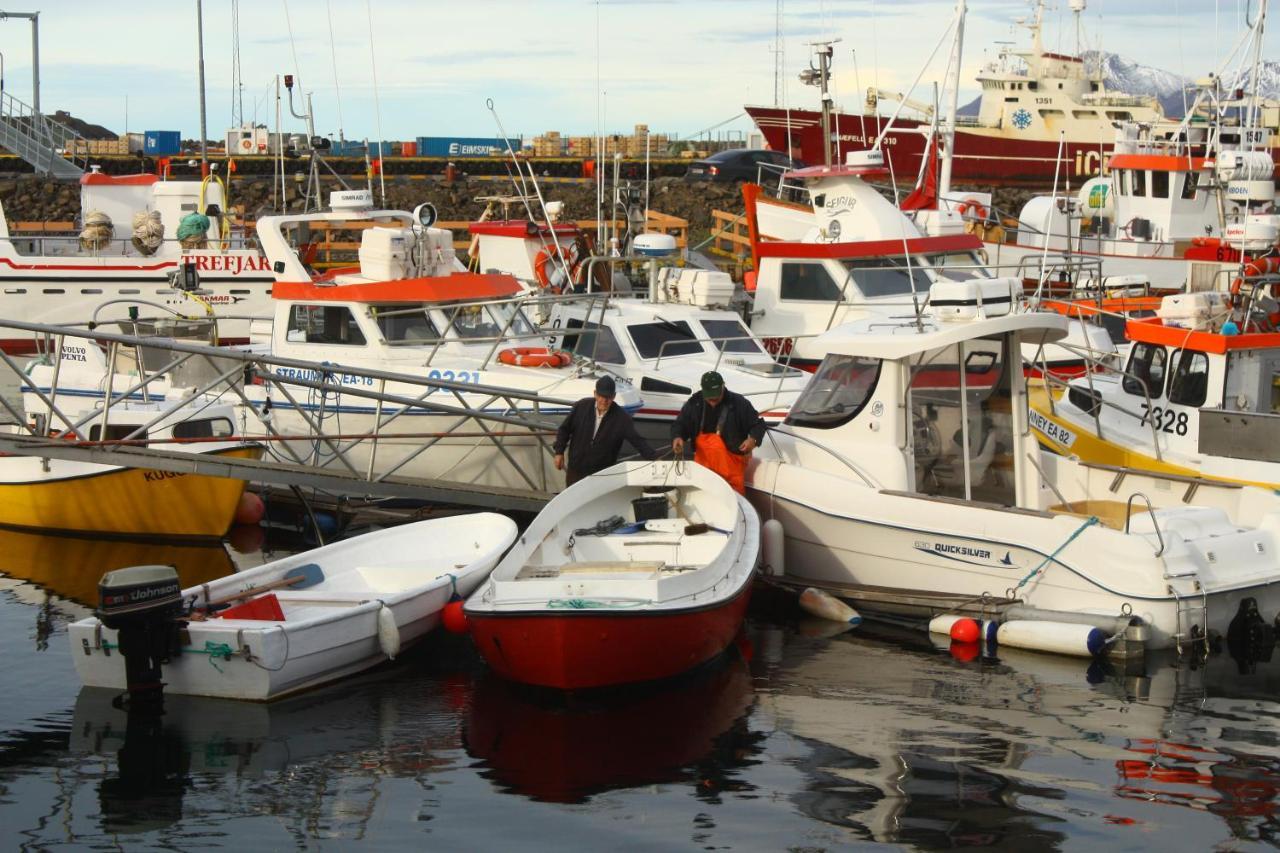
pixel 52 148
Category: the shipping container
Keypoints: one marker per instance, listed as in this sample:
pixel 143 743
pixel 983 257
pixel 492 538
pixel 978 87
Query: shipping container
pixel 464 146
pixel 162 143
pixel 409 149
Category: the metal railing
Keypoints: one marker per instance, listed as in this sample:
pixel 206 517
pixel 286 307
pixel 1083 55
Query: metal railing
pixel 47 145
pixel 68 245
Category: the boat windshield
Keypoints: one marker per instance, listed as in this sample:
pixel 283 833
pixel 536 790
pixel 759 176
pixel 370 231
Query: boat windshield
pixel 731 336
pixel 488 322
pixel 959 266
pixel 595 342
pixel 405 324
pixel 837 392
pixel 888 276
pixel 664 338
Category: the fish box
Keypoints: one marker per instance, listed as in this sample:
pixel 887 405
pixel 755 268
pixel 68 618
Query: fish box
pixel 1192 310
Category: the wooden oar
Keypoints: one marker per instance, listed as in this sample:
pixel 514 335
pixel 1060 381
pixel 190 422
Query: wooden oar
pixel 299 577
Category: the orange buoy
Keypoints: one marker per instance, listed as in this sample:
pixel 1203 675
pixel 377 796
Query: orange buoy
pixel 965 631
pixel 250 509
pixel 535 357
pixel 454 617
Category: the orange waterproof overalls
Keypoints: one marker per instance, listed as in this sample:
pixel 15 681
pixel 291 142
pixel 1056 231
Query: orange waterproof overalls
pixel 710 451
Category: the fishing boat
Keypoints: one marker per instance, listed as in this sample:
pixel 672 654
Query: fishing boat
pixel 62 280
pixel 908 481
pixel 1040 112
pixel 585 601
pixel 301 621
pixel 48 494
pixel 1197 399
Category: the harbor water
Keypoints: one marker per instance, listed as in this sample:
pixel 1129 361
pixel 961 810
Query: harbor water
pixel 798 740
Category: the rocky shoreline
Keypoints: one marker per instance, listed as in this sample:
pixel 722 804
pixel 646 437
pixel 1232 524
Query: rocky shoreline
pixel 33 199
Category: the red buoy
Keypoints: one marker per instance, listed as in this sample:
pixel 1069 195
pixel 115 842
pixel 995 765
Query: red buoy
pixel 246 538
pixel 250 509
pixel 454 617
pixel 965 631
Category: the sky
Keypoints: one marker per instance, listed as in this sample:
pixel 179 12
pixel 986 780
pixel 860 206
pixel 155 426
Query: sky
pixel 682 67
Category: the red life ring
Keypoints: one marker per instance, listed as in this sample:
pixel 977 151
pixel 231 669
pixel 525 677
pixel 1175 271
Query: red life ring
pixel 1260 266
pixel 547 261
pixel 535 357
pixel 980 211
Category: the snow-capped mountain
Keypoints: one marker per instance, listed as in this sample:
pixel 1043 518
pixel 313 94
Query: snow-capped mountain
pixel 1123 75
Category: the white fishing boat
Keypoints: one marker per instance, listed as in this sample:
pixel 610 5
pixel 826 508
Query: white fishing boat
pixel 293 623
pixel 907 479
pixel 127 249
pixel 665 594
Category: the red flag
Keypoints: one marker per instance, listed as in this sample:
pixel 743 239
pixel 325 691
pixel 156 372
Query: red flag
pixel 925 194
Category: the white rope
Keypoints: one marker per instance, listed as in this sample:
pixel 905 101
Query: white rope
pixel 148 231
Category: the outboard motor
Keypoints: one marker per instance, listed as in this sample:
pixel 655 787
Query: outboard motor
pixel 143 605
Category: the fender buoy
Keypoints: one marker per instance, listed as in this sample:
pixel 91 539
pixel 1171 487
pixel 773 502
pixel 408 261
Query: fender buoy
pixel 454 617
pixel 972 205
pixel 535 357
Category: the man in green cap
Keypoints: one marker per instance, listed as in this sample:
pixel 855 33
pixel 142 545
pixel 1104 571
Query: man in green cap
pixel 724 428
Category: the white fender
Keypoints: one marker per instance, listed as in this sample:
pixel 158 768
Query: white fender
pixel 773 547
pixel 826 606
pixel 1059 637
pixel 388 633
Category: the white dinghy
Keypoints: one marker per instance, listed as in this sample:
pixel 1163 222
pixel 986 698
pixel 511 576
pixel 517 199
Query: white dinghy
pixel 588 600
pixel 291 624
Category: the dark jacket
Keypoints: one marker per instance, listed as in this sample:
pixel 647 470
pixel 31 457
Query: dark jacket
pixel 587 455
pixel 740 420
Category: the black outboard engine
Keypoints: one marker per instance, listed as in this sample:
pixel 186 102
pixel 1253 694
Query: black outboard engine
pixel 143 604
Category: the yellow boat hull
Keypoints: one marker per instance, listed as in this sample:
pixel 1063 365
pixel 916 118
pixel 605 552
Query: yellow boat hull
pixel 128 501
pixel 1068 438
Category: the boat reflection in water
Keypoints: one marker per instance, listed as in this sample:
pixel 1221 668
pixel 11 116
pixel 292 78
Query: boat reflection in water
pixel 562 748
pixel 317 758
pixel 900 742
pixel 59 575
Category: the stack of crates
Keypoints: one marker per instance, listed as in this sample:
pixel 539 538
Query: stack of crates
pixel 550 144
pixel 101 147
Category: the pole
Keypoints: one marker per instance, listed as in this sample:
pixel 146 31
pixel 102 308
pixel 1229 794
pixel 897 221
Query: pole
pixel 204 136
pixel 35 61
pixel 953 102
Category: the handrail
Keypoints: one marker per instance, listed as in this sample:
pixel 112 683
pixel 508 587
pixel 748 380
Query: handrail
pixel 1128 511
pixel 839 457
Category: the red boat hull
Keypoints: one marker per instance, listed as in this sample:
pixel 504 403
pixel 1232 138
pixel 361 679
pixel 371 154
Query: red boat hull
pixel 579 649
pixel 979 158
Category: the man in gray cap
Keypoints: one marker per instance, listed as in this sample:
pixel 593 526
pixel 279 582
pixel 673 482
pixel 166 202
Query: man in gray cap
pixel 593 433
pixel 724 428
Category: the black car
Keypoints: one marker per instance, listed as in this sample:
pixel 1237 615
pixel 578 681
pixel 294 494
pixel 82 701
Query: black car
pixel 741 164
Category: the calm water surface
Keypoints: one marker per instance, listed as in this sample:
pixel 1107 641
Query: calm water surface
pixel 797 741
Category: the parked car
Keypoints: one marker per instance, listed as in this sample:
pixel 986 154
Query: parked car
pixel 741 164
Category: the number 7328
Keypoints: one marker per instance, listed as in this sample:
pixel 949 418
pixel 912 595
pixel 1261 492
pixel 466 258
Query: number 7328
pixel 1165 420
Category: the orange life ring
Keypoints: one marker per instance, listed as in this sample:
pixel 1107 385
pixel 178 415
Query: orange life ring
pixel 246 145
pixel 546 261
pixel 972 204
pixel 535 357
pixel 1259 266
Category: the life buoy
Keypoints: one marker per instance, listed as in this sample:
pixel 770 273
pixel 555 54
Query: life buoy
pixel 547 261
pixel 978 209
pixel 246 145
pixel 535 357
pixel 1259 266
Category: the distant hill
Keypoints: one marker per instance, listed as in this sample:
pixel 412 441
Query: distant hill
pixel 88 131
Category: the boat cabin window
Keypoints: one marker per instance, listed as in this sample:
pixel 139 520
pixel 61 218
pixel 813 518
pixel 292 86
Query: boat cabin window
pixel 1159 184
pixel 1051 115
pixel 838 390
pixel 1126 184
pixel 203 428
pixel 1087 115
pixel 1190 381
pixel 323 324
pixel 809 282
pixel 664 338
pixel 1139 181
pixel 1190 185
pixel 959 266
pixel 962 422
pixel 730 336
pixel 488 322
pixel 594 342
pixel 117 432
pixel 405 324
pixel 1144 375
pixel 888 276
pixel 1119 115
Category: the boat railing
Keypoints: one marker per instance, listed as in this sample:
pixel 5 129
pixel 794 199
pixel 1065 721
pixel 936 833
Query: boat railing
pixel 1096 364
pixel 787 371
pixel 839 457
pixel 494 414
pixel 114 247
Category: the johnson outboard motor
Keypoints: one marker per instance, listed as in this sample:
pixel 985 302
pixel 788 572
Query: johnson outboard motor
pixel 143 604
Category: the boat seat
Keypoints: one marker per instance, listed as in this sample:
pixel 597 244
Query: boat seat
pixel 592 567
pixel 337 596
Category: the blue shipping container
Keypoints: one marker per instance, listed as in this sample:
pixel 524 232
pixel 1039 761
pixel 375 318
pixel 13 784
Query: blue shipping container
pixel 162 142
pixel 463 146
